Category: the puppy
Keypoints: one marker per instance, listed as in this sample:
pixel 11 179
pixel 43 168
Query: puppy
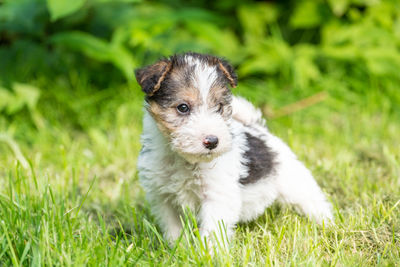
pixel 209 151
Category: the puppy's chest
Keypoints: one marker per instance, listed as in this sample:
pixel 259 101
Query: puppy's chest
pixel 179 182
pixel 189 187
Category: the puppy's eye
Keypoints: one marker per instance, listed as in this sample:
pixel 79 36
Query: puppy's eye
pixel 220 107
pixel 183 108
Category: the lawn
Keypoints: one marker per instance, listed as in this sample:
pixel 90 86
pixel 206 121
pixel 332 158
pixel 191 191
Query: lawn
pixel 324 73
pixel 71 196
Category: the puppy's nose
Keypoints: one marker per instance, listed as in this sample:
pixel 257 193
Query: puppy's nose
pixel 210 141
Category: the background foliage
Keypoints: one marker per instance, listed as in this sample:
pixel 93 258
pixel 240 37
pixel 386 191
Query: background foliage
pixel 285 43
pixel 70 110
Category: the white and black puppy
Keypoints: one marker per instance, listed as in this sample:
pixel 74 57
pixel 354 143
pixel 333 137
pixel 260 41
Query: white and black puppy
pixel 209 151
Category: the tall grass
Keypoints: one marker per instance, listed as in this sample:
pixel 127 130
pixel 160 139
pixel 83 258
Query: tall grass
pixel 79 202
pixel 324 73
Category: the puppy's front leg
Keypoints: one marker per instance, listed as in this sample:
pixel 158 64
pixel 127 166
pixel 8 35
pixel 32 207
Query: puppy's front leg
pixel 219 213
pixel 169 220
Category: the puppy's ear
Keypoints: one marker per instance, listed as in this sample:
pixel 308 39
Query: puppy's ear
pixel 151 77
pixel 228 71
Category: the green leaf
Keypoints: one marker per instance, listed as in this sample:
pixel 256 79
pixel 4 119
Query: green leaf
pixel 62 8
pixel 254 18
pixel 25 95
pixel 269 58
pixel 382 61
pixel 87 44
pixel 304 68
pixel 28 94
pixel 339 7
pixel 14 106
pixel 5 98
pixel 23 16
pixel 345 52
pixel 308 14
pixel 98 49
pixel 223 42
pixel 121 1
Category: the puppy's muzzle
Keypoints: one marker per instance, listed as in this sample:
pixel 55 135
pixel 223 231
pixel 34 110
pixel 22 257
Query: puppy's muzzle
pixel 210 142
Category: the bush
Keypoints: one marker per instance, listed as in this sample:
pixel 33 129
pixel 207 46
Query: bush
pixel 296 45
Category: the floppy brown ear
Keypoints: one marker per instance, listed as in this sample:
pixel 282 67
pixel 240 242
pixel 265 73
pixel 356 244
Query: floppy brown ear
pixel 151 77
pixel 228 71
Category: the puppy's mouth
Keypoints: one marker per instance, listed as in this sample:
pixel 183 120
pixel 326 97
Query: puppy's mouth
pixel 201 157
pixel 210 154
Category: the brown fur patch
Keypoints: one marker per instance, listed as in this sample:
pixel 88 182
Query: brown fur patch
pixel 227 74
pixel 190 95
pixel 220 95
pixel 167 117
pixel 151 77
pixel 169 83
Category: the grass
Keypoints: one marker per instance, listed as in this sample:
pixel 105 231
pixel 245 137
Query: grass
pixel 78 200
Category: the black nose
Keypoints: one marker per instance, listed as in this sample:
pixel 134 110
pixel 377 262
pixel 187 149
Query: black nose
pixel 210 141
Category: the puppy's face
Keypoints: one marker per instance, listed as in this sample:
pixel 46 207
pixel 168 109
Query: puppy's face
pixel 189 98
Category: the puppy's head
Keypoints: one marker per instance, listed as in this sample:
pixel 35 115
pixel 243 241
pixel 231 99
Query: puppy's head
pixel 189 98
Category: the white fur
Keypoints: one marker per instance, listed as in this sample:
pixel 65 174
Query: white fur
pixel 244 112
pixel 211 188
pixel 178 172
pixel 187 140
pixel 204 75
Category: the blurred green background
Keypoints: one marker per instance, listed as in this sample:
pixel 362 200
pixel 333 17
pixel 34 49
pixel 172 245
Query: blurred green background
pixel 67 67
pixel 325 73
pixel 57 56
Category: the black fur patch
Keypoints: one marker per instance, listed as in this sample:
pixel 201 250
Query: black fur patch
pixel 166 95
pixel 153 77
pixel 149 77
pixel 261 160
pixel 179 61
